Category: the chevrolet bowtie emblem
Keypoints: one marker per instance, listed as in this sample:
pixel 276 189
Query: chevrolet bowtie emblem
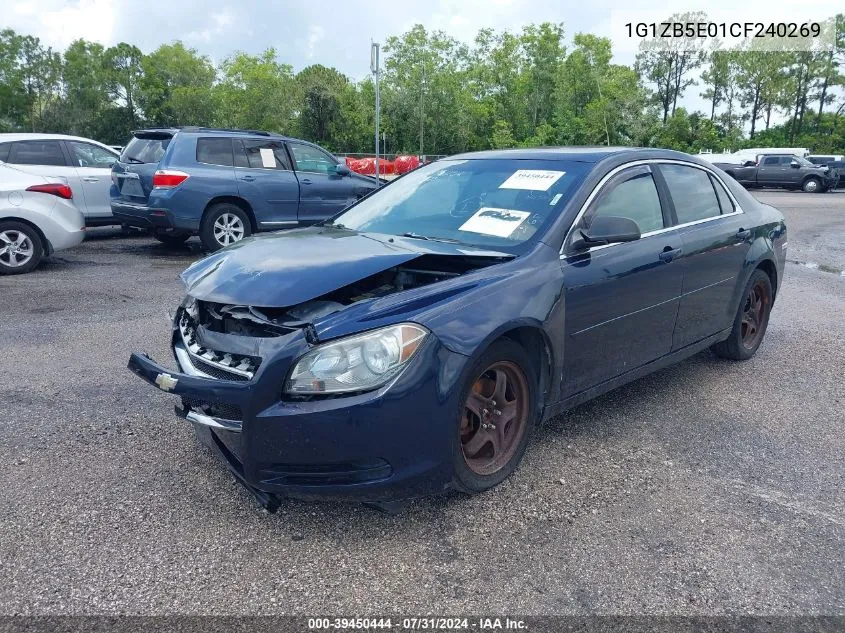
pixel 166 382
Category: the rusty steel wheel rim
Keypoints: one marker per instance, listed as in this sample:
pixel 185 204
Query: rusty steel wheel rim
pixel 754 314
pixel 495 417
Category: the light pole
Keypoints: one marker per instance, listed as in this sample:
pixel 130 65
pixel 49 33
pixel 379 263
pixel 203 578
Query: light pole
pixel 374 68
pixel 422 109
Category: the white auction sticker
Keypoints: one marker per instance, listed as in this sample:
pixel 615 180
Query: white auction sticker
pixel 532 179
pixel 492 221
pixel 268 159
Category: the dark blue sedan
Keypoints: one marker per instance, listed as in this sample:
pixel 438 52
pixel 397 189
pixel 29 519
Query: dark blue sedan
pixel 411 344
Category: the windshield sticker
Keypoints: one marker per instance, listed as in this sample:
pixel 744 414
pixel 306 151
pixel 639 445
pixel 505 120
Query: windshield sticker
pixel 532 179
pixel 492 221
pixel 267 158
pixel 556 199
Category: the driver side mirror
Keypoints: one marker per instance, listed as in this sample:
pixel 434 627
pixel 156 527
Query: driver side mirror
pixel 795 164
pixel 342 170
pixel 608 230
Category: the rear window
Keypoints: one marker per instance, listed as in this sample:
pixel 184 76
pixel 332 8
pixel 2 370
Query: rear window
pixel 692 192
pixel 4 152
pixel 145 149
pixel 215 151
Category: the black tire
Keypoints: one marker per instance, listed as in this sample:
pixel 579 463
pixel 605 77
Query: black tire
pixel 812 185
pixel 506 356
pixel 172 239
pixel 742 343
pixel 210 237
pixel 28 249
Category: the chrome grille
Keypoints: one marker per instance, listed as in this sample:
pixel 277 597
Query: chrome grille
pixel 220 365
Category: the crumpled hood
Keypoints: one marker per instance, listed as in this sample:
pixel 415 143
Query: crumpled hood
pixel 290 267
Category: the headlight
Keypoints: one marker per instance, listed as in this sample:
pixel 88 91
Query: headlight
pixel 356 363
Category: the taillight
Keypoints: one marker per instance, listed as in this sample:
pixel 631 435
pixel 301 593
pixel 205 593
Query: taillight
pixel 54 189
pixel 167 178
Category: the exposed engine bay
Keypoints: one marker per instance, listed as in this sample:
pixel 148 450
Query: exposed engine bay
pixel 247 320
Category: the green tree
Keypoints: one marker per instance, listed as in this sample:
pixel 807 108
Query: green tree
pixel 502 136
pixel 717 77
pixel 671 66
pixel 175 86
pixel 85 89
pixel 321 90
pixel 544 52
pixel 123 74
pixel 257 92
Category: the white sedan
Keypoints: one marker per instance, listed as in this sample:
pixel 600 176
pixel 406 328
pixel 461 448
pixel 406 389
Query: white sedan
pixel 37 217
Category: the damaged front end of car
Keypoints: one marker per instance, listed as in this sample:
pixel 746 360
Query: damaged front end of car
pixel 322 395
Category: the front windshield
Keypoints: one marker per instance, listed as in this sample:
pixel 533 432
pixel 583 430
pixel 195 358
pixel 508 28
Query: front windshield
pixel 804 162
pixel 496 203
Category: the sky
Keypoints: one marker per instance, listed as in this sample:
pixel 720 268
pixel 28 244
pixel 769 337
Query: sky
pixel 338 32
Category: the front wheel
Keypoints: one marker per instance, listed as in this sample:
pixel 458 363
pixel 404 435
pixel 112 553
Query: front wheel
pixel 811 185
pixel 20 248
pixel 499 405
pixel 751 321
pixel 224 224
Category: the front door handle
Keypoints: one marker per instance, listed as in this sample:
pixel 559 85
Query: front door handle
pixel 248 178
pixel 670 253
pixel 305 181
pixel 90 179
pixel 743 234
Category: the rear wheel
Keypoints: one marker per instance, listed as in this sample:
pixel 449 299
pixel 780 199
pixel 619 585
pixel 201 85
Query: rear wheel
pixel 751 321
pixel 20 248
pixel 495 421
pixel 224 224
pixel 811 185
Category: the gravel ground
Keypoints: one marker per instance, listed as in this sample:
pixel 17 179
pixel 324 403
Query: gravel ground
pixel 708 488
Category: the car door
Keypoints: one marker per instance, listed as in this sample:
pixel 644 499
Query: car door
pixel 620 299
pixel 93 168
pixel 266 181
pixel 48 158
pixel 716 238
pixel 772 171
pixel 323 192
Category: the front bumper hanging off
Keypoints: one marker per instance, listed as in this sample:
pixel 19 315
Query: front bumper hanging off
pixel 377 447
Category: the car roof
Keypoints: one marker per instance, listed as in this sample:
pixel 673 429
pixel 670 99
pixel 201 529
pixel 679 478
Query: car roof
pixel 584 154
pixel 211 131
pixel 38 136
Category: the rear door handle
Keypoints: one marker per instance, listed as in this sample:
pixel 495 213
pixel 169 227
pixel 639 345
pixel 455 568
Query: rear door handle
pixel 90 179
pixel 743 234
pixel 670 253
pixel 248 178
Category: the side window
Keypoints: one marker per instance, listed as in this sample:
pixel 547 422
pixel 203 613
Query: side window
pixel 87 155
pixel 215 151
pixel 770 161
pixel 37 153
pixel 786 161
pixel 262 154
pixel 725 201
pixel 4 152
pixel 312 159
pixel 692 193
pixel 633 196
